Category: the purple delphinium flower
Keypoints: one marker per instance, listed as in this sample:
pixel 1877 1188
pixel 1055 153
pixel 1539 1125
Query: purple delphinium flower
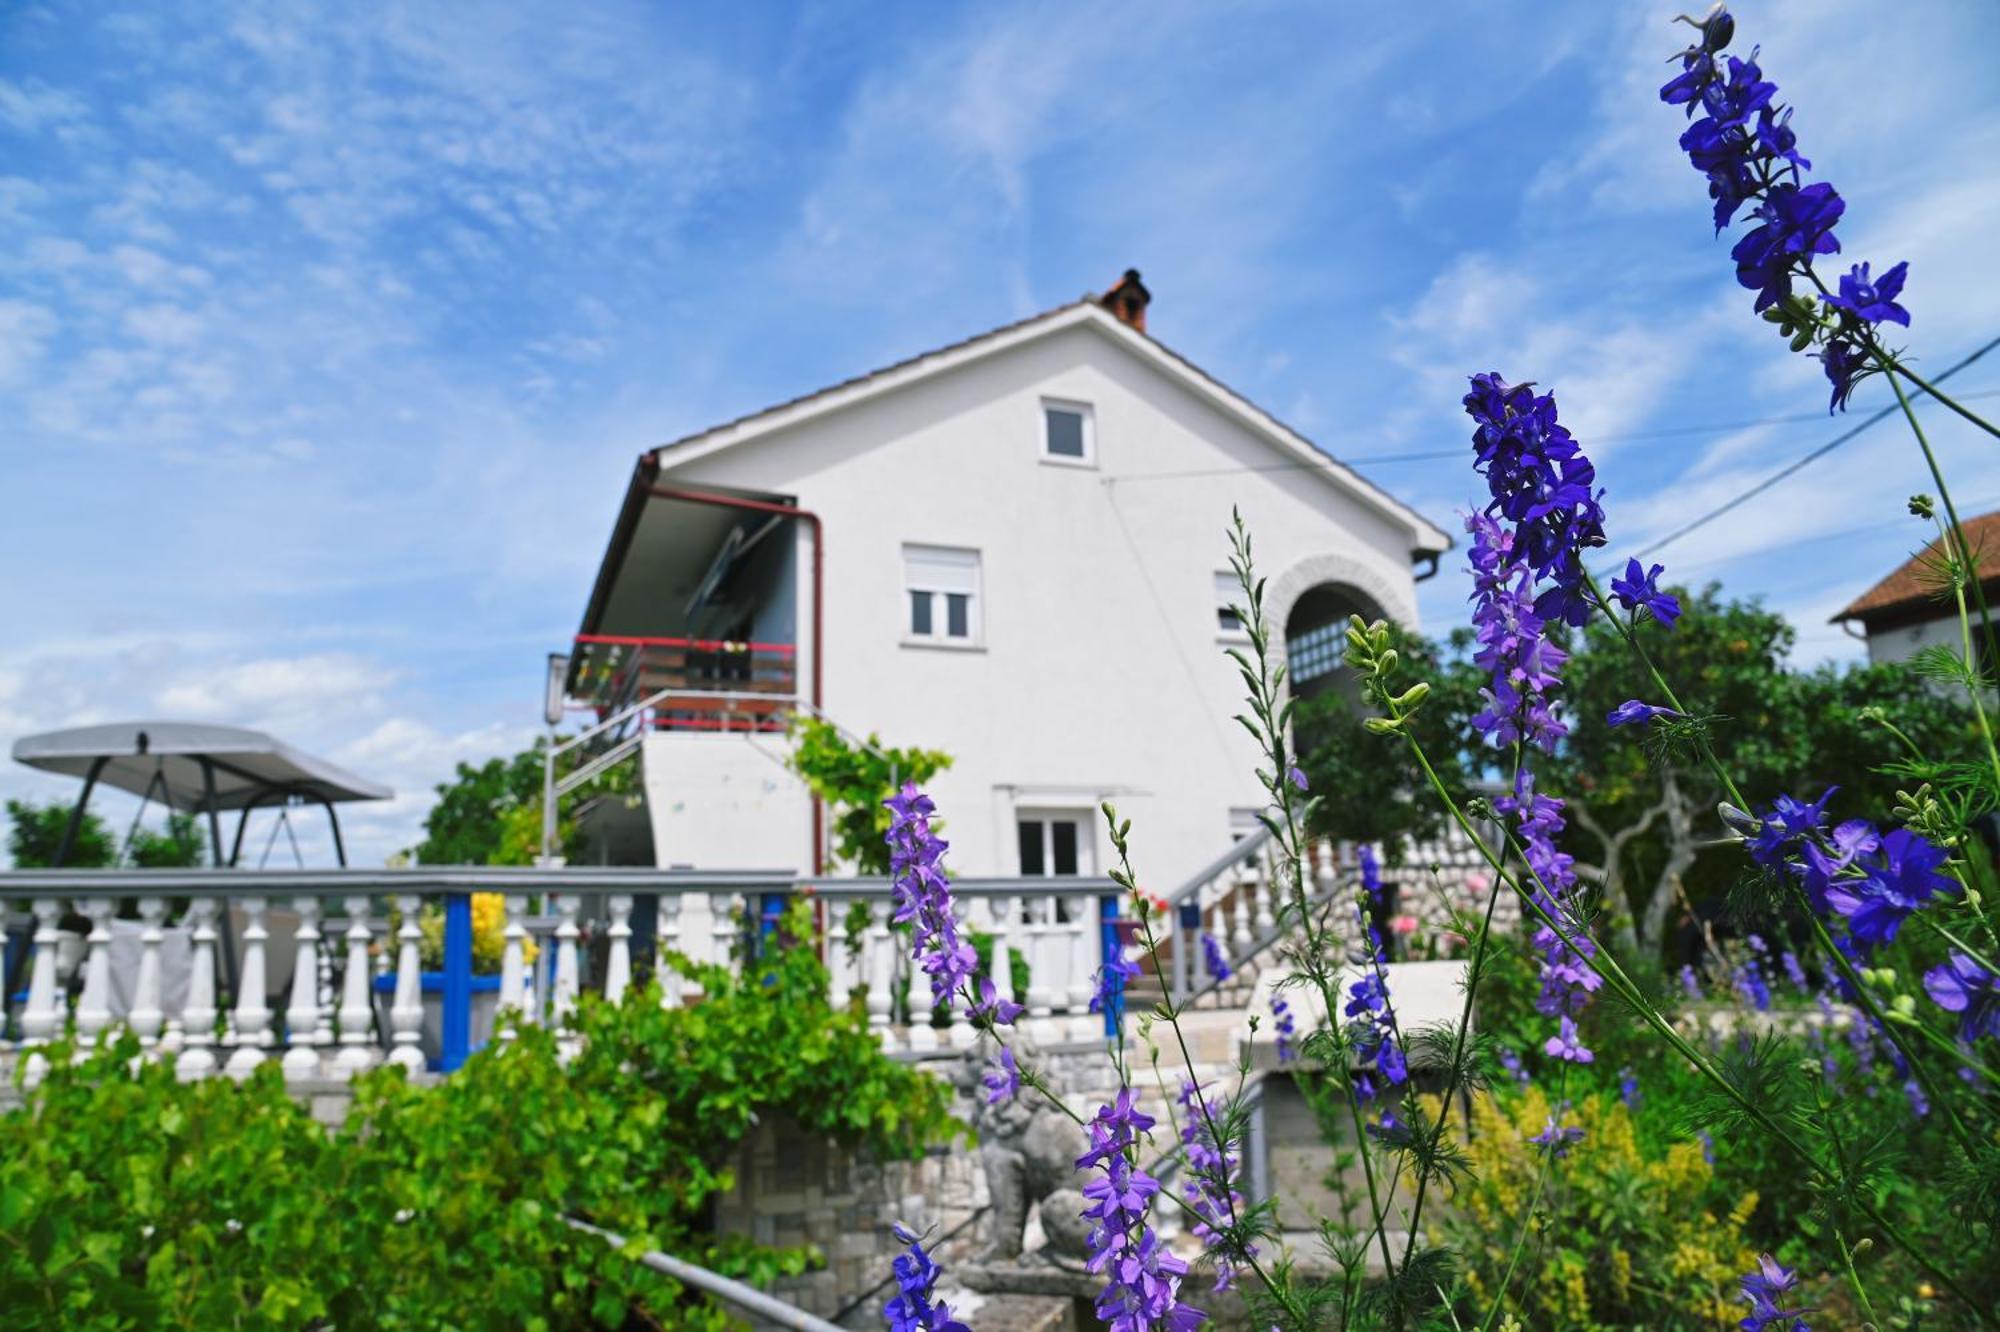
pixel 1512 1063
pixel 1895 881
pixel 1003 1078
pixel 1633 712
pixel 992 1008
pixel 1212 955
pixel 1794 972
pixel 1376 1040
pixel 1287 1027
pixel 1142 1276
pixel 1766 1288
pixel 1845 365
pixel 1296 776
pixel 1690 983
pixel 1639 590
pixel 1873 300
pixel 1751 985
pixel 1211 1185
pixel 922 895
pixel 1961 985
pixel 1920 1105
pixel 1628 1087
pixel 1707 1142
pixel 1797 223
pixel 1565 1044
pixel 1371 872
pixel 916 1275
pixel 1520 662
pixel 1112 978
pixel 1557 1140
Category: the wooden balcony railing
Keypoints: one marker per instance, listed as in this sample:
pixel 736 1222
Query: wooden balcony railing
pixel 619 671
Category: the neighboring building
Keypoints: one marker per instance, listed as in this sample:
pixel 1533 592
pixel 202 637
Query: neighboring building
pixel 1012 549
pixel 1906 612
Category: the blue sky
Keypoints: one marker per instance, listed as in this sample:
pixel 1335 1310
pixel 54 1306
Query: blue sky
pixel 327 338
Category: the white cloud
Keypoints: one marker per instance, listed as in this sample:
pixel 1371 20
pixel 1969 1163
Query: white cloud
pixel 24 330
pixel 280 685
pixel 33 106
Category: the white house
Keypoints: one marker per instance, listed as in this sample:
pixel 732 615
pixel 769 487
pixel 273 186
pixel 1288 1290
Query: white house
pixel 1904 613
pixel 1012 549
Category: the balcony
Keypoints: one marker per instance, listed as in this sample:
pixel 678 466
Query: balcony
pixel 687 684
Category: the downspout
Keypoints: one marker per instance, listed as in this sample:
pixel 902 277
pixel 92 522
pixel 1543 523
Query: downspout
pixel 818 599
pixel 1430 570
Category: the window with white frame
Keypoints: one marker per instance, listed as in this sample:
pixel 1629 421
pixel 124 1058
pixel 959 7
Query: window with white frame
pixel 1055 842
pixel 1068 433
pixel 941 588
pixel 1227 593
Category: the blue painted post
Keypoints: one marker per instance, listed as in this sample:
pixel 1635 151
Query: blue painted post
pixel 1108 944
pixel 770 910
pixel 456 1040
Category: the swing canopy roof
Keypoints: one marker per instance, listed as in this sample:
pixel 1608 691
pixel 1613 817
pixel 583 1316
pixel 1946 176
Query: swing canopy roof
pixel 167 759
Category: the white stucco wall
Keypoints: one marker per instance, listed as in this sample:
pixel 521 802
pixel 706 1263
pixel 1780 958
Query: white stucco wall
pixel 1891 645
pixel 725 801
pixel 1100 673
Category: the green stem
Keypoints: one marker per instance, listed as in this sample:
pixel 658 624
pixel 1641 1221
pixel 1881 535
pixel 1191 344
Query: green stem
pixel 1896 367
pixel 1944 495
pixel 1965 565
pixel 1457 1058
pixel 1542 1174
pixel 1854 1277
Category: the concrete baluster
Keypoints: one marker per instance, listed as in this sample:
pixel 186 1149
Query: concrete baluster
pixel 93 1006
pixel 618 956
pixel 41 1017
pixel 406 1010
pixel 146 1017
pixel 672 983
pixel 358 1051
pixel 1082 937
pixel 301 1061
pixel 513 966
pixel 253 1016
pixel 563 989
pixel 878 961
pixel 197 1056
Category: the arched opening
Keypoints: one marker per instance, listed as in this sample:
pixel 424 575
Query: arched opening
pixel 1316 639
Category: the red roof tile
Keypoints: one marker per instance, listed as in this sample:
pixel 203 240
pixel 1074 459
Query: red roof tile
pixel 1914 584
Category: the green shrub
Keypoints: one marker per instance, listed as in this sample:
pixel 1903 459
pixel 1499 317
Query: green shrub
pixel 131 1200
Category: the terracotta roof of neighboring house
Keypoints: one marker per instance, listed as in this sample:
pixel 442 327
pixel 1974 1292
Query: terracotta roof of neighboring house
pixel 1912 589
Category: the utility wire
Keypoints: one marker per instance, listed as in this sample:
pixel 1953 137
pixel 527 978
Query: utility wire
pixel 1800 463
pixel 1667 432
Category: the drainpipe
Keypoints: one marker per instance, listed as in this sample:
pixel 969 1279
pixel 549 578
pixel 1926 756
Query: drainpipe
pixel 1432 559
pixel 818 597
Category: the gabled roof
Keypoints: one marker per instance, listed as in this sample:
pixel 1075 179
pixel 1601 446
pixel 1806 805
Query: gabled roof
pixel 1425 537
pixel 1911 592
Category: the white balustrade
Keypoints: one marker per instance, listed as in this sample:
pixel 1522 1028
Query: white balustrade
pixel 357 1013
pixel 721 927
pixel 197 1056
pixel 1263 873
pixel 406 1012
pixel 146 1018
pixel 999 914
pixel 1240 938
pixel 301 1061
pixel 93 1006
pixel 252 1034
pixel 618 956
pixel 1081 964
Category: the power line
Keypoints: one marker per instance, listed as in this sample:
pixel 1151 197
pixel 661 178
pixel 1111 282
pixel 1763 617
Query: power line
pixel 1665 432
pixel 1800 463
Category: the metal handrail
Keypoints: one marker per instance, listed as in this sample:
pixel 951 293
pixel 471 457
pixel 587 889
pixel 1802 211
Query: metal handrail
pixel 1040 885
pixel 417 879
pixel 1234 856
pixel 727 1289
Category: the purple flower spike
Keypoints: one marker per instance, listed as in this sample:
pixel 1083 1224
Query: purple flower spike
pixel 922 895
pixel 1003 1078
pixel 1565 1044
pixel 916 1275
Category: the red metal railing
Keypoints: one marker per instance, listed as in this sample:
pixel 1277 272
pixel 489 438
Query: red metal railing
pixel 617 671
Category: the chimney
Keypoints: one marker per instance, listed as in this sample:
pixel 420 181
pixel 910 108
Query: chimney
pixel 1128 299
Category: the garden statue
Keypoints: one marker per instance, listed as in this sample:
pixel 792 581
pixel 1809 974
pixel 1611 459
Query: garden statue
pixel 1028 1149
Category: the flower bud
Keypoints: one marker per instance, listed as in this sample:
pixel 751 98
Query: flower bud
pixel 1381 725
pixel 1412 697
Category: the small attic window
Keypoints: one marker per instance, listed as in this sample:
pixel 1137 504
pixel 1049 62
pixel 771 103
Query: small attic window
pixel 1067 433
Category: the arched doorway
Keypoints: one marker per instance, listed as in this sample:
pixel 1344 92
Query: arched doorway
pixel 1316 639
